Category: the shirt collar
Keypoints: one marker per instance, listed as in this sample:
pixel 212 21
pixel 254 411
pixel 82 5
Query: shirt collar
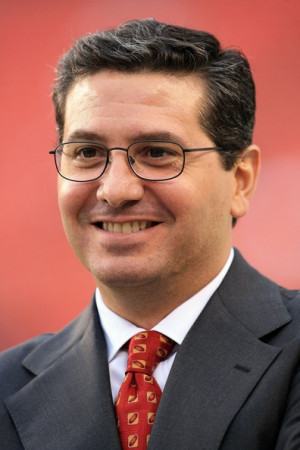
pixel 118 331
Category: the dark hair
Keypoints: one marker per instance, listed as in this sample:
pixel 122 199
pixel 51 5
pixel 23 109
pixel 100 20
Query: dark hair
pixel 227 115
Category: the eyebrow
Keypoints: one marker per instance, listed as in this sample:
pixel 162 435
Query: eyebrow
pixel 85 135
pixel 82 134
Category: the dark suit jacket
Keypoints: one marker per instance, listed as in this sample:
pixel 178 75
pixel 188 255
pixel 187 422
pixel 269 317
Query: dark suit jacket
pixel 235 382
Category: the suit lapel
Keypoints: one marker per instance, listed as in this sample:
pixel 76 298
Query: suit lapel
pixel 68 405
pixel 219 363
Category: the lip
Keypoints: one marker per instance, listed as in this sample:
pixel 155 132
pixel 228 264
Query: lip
pixel 118 242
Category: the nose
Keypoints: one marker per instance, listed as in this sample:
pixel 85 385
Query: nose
pixel 119 185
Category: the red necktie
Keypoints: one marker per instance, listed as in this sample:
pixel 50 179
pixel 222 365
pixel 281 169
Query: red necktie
pixel 139 395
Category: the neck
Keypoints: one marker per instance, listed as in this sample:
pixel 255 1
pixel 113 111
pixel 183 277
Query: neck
pixel 147 304
pixel 142 307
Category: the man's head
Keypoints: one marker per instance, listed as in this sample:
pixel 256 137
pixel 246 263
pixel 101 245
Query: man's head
pixel 226 115
pixel 148 81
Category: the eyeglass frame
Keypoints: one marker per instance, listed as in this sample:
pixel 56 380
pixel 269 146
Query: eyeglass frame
pixel 108 150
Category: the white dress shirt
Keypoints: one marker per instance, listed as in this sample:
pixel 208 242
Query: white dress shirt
pixel 118 331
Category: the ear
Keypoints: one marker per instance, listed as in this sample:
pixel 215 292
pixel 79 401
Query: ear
pixel 246 171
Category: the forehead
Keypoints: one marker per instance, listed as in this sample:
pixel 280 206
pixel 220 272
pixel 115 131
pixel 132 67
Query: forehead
pixel 110 99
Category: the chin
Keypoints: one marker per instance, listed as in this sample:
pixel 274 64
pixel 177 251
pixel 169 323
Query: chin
pixel 123 278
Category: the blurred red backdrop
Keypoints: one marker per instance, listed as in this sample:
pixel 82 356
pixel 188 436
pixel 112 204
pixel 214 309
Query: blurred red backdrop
pixel 43 286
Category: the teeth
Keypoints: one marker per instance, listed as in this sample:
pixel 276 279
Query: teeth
pixel 127 227
pixel 117 228
pixel 135 226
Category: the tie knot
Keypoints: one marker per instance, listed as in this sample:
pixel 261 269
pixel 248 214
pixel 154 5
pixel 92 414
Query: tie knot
pixel 146 350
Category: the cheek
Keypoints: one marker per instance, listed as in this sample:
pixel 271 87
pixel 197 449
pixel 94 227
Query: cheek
pixel 71 198
pixel 205 202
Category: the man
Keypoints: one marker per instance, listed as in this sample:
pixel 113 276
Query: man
pixel 156 164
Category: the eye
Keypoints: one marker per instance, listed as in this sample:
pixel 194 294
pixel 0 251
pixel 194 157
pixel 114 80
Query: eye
pixel 85 154
pixel 89 152
pixel 157 152
pixel 156 155
pixel 160 152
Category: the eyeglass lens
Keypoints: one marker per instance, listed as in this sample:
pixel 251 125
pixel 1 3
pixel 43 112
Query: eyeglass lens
pixel 85 161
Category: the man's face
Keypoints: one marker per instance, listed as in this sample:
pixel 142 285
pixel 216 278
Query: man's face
pixel 188 222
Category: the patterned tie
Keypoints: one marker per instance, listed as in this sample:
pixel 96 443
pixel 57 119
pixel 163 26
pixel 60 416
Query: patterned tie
pixel 139 395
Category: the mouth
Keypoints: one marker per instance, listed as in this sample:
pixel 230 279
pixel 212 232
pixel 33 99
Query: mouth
pixel 126 227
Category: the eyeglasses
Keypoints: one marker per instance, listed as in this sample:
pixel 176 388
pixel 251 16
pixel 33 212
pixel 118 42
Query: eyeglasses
pixel 155 160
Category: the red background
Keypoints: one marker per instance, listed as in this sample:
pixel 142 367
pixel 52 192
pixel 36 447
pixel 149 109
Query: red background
pixel 42 285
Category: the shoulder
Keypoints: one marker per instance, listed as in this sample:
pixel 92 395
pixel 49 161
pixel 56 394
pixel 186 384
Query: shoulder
pixel 21 350
pixel 20 364
pixel 12 373
pixel 291 298
pixel 257 302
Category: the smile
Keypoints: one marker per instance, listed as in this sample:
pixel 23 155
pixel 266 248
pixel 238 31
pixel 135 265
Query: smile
pixel 126 227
